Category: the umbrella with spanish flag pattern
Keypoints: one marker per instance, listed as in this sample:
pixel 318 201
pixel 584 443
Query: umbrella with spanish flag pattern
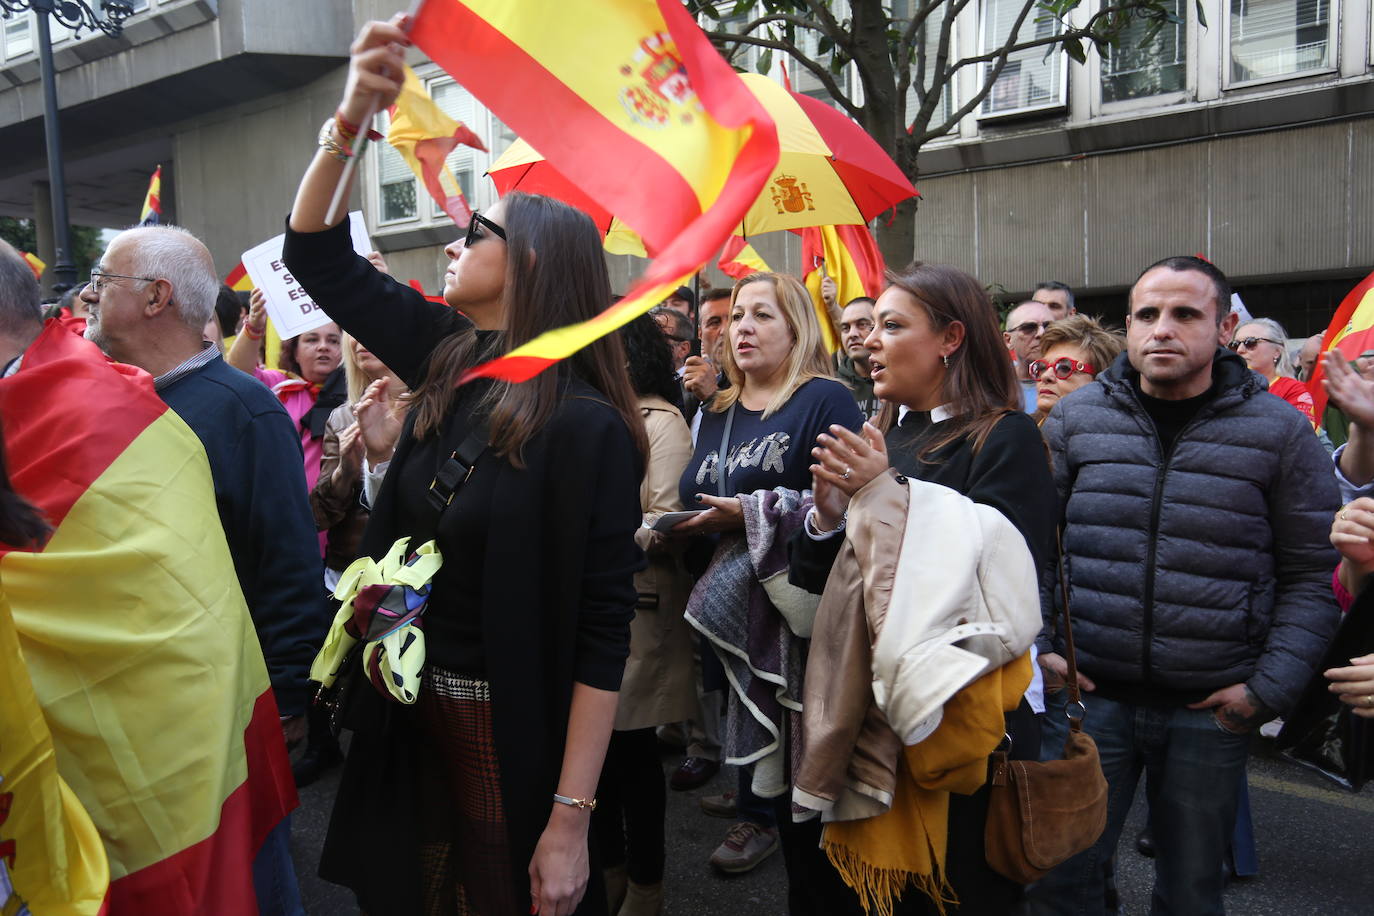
pixel 829 173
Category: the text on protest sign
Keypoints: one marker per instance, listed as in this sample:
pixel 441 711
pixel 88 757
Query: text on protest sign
pixel 289 306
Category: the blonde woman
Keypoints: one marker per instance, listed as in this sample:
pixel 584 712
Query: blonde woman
pixel 757 436
pixel 1072 352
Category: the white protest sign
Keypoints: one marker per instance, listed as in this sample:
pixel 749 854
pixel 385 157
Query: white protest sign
pixel 289 306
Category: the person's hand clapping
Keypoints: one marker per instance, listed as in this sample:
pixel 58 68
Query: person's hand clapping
pixel 351 451
pixel 376 68
pixel 1354 685
pixel 1352 392
pixel 379 262
pixel 377 421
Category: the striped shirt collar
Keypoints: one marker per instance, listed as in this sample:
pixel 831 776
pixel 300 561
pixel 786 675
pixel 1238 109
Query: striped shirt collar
pixel 207 353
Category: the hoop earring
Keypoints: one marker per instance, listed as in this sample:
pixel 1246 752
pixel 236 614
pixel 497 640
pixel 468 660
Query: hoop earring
pixel 945 360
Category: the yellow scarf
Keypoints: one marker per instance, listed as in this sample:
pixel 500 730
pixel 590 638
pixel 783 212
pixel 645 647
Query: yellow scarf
pixel 879 856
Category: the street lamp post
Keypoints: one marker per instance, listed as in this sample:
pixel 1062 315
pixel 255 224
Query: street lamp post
pixel 76 15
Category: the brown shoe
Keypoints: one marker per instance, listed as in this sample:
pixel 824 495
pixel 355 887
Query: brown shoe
pixel 694 773
pixel 746 845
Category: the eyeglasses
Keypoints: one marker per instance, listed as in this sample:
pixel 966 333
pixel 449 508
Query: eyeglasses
pixel 1029 327
pixel 475 227
pixel 1063 367
pixel 1249 343
pixel 99 279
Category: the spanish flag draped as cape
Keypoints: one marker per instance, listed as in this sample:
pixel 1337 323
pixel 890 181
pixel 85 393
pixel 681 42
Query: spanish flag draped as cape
pixel 136 638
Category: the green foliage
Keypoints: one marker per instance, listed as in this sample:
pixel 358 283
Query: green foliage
pixel 85 241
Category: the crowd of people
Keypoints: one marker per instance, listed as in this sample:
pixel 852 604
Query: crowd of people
pixel 836 573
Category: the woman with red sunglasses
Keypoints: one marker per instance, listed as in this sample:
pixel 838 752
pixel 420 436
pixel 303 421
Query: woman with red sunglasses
pixel 1073 350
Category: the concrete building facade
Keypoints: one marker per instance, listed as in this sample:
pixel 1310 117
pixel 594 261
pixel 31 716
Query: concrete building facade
pixel 1249 140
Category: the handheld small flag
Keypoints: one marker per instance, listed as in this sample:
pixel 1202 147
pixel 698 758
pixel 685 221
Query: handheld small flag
pixel 629 101
pixel 36 264
pixel 424 136
pixel 739 259
pixel 849 256
pixel 152 201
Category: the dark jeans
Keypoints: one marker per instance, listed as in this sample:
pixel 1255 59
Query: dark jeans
pixel 1192 768
pixel 627 822
pixel 274 874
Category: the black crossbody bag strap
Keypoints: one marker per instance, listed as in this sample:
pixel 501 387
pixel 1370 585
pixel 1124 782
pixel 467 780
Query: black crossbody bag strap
pixel 450 477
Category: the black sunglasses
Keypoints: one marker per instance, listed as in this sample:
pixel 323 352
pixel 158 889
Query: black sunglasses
pixel 475 229
pixel 1249 343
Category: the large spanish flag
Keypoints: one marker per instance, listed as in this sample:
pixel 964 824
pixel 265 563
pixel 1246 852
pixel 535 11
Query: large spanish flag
pixel 424 136
pixel 849 256
pixel 51 858
pixel 1351 331
pixel 135 634
pixel 629 101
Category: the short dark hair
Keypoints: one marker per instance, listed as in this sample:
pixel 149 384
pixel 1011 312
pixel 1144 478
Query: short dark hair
pixel 711 295
pixel 1221 287
pixel 227 310
pixel 21 303
pixel 682 325
pixel 868 300
pixel 1055 285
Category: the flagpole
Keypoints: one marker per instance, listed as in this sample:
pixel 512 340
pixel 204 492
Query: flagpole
pixel 360 144
pixel 63 270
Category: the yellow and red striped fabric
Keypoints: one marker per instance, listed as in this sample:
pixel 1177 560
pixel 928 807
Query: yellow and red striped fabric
pixel 137 640
pixel 739 259
pixel 424 136
pixel 1351 331
pixel 51 858
pixel 152 201
pixel 631 103
pixel 238 279
pixel 851 258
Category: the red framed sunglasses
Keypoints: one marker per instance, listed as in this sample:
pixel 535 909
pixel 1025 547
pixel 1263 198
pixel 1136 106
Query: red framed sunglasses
pixel 1063 367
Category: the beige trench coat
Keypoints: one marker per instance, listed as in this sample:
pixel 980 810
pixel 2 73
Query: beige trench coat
pixel 658 687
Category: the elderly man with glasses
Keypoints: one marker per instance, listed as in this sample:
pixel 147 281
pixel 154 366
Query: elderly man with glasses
pixel 1026 324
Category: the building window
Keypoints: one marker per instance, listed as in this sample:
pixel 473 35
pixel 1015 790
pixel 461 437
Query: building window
pixel 1272 38
pixel 928 40
pixel 18 35
pixel 1032 78
pixel 1132 70
pixel 396 191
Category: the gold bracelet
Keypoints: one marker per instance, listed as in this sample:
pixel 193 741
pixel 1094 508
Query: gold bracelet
pixel 588 803
pixel 330 145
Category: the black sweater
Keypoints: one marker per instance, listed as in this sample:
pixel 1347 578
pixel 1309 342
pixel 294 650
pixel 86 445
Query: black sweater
pixel 558 595
pixel 1010 473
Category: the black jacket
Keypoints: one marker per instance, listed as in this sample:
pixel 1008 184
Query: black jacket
pixel 255 460
pixel 558 592
pixel 1202 568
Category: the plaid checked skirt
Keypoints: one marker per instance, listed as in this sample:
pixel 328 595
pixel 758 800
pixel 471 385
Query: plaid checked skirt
pixel 465 859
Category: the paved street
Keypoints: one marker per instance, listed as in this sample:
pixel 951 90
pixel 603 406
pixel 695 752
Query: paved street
pixel 1314 844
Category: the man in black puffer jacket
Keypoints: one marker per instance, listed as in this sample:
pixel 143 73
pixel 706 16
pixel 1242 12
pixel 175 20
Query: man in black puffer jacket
pixel 1195 510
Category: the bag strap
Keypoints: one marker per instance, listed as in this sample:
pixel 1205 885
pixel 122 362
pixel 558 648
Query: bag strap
pixel 724 450
pixel 1075 698
pixel 455 470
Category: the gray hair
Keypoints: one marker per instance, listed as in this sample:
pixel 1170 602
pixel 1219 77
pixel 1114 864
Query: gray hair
pixel 1276 332
pixel 20 300
pixel 173 254
pixel 681 324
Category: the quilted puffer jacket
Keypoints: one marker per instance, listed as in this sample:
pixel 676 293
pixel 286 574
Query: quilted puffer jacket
pixel 1199 569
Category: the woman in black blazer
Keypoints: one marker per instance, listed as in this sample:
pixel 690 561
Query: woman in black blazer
pixel 478 797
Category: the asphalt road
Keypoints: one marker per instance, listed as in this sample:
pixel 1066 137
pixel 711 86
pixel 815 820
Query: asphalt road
pixel 1314 846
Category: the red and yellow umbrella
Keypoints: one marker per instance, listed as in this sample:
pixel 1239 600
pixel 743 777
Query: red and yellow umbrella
pixel 829 173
